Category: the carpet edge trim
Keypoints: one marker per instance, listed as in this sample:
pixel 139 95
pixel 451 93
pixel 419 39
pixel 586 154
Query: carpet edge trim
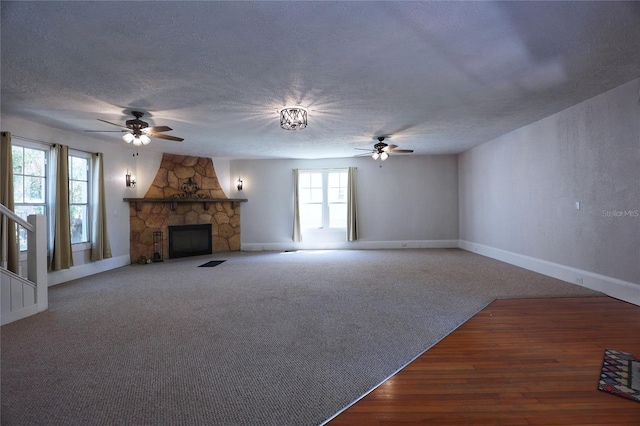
pixel 403 366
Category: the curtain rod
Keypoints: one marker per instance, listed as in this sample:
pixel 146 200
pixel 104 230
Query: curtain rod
pixel 47 143
pixel 31 140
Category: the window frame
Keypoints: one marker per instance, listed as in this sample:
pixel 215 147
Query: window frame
pixel 325 203
pixel 74 153
pixel 46 149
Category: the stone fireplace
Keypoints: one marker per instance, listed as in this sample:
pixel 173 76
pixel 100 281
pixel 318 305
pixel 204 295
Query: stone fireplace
pixel 185 191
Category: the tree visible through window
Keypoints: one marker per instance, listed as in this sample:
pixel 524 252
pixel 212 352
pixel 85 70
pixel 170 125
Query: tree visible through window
pixel 323 199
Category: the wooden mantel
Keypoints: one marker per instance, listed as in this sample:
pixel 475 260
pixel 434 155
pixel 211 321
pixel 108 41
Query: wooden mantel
pixel 173 201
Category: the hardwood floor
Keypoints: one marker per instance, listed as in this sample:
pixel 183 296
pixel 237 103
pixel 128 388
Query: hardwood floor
pixel 517 362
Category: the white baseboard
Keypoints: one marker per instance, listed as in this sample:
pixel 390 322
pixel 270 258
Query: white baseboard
pixel 623 290
pixel 350 245
pixel 81 271
pixel 19 314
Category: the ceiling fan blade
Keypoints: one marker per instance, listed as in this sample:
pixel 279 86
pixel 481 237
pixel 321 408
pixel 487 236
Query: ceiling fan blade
pixel 114 124
pixel 389 148
pixel 167 137
pixel 401 151
pixel 155 129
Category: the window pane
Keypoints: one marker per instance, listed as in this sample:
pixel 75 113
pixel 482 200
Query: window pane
pixel 337 195
pixel 316 180
pixel 77 192
pixel 22 237
pixel 34 189
pixel 17 153
pixel 337 190
pixel 337 215
pixel 334 179
pixel 34 162
pixel 303 195
pixel 304 180
pixel 311 215
pixel 18 189
pixel 310 180
pixel 78 198
pixel 311 196
pixel 316 195
pixel 77 168
pixel 24 212
pixel 79 223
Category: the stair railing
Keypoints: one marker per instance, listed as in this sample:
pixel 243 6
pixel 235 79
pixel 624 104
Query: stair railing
pixel 36 227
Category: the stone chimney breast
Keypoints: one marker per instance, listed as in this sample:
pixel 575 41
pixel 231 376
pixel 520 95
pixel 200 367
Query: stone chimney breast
pixel 181 176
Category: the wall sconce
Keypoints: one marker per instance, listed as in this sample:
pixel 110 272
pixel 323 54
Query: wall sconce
pixel 129 180
pixel 239 184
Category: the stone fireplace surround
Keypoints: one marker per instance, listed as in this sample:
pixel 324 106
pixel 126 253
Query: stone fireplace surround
pixel 185 191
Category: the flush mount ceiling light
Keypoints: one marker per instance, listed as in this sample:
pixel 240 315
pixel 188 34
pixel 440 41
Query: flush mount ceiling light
pixel 293 118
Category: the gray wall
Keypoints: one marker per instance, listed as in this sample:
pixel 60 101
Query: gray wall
pixel 518 192
pixel 409 198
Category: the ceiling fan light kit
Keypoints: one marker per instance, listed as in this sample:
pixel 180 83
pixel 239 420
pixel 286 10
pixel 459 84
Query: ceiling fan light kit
pixel 293 118
pixel 137 140
pixel 380 154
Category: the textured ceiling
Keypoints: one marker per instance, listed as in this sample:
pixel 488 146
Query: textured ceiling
pixel 439 77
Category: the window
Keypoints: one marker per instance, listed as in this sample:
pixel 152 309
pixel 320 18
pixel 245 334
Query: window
pixel 31 180
pixel 79 196
pixel 323 199
pixel 29 184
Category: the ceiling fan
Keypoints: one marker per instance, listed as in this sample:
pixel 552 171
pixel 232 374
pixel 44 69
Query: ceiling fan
pixel 138 131
pixel 382 150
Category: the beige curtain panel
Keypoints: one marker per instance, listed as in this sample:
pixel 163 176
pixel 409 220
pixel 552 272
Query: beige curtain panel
pixel 100 247
pixel 61 257
pixel 6 198
pixel 352 206
pixel 297 236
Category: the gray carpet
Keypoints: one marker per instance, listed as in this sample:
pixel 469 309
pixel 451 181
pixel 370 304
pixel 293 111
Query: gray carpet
pixel 265 338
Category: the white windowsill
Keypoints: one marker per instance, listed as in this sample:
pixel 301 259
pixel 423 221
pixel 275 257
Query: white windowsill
pixel 74 248
pixel 80 247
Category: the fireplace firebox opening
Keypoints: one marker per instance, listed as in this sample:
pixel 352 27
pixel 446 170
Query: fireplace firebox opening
pixel 190 240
